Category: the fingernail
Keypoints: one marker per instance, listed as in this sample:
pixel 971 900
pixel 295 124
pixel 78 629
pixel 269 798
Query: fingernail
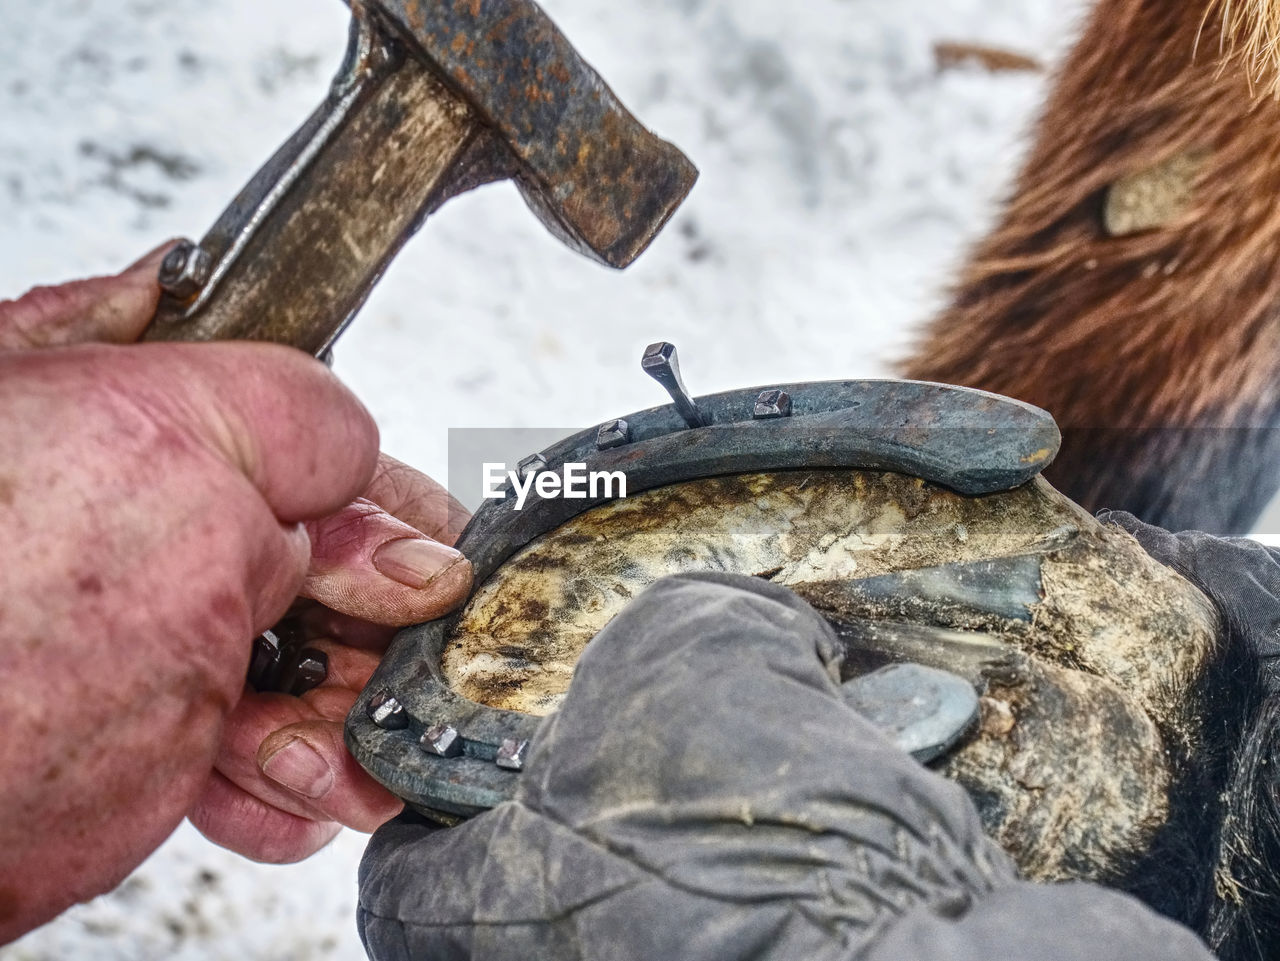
pixel 300 768
pixel 414 561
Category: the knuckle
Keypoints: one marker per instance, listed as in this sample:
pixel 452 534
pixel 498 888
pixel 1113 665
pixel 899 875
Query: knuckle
pixel 402 485
pixel 414 498
pixel 82 310
pixel 348 530
pixel 29 319
pixel 50 303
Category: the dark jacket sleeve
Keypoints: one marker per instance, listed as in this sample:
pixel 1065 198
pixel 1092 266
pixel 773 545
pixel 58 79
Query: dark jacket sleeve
pixel 704 794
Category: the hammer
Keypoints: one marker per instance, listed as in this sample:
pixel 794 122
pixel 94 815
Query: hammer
pixel 433 98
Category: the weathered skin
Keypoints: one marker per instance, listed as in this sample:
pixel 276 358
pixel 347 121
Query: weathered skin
pixel 1069 766
pixel 160 505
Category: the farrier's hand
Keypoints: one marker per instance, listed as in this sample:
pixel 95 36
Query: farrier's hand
pixel 284 782
pixel 153 502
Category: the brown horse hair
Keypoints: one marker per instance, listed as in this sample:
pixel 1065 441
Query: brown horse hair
pixel 1250 33
pixel 1157 350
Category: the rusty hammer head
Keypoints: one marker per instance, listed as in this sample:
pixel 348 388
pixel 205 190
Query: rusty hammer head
pixel 435 97
pixel 591 171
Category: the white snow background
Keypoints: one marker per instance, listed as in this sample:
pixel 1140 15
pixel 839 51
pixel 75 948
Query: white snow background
pixel 842 175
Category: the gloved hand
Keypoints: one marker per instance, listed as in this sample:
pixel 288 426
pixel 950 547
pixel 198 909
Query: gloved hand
pixel 705 793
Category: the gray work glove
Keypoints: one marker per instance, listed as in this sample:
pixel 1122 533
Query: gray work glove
pixel 704 794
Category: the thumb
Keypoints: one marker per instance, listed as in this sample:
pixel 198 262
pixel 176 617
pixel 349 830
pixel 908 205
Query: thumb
pixel 370 565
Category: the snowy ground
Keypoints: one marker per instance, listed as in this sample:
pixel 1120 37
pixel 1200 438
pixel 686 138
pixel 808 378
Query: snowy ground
pixel 842 173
